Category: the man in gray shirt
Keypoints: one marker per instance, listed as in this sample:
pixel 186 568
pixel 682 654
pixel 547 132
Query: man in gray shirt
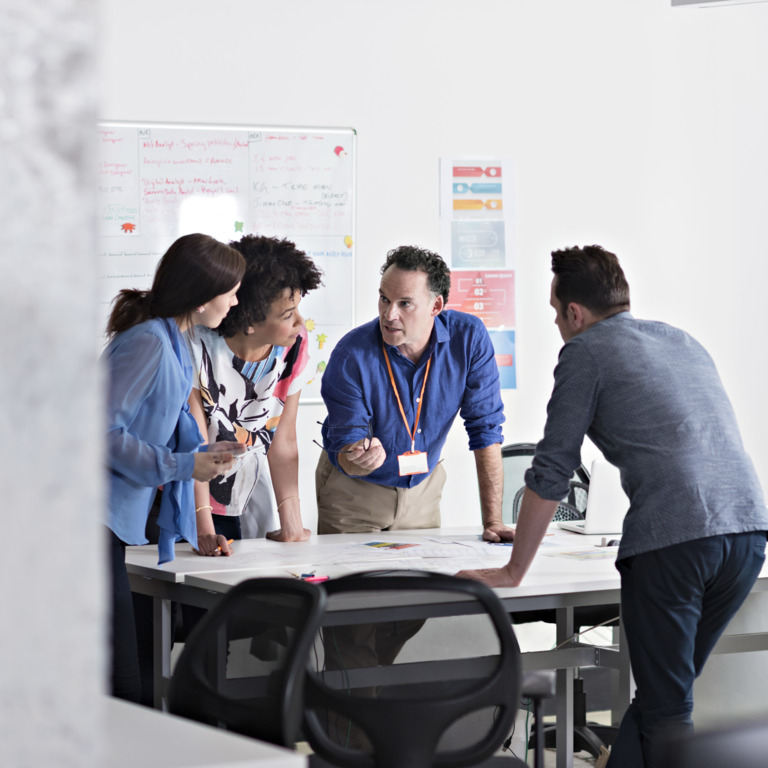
pixel 650 398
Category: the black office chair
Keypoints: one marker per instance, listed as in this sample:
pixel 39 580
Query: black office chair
pixel 744 745
pixel 415 692
pixel 516 459
pixel 242 667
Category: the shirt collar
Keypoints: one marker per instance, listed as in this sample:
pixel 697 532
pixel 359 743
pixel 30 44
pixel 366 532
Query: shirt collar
pixel 441 332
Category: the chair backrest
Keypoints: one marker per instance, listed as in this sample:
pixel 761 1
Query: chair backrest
pixel 426 672
pixel 242 667
pixel 516 459
pixel 744 745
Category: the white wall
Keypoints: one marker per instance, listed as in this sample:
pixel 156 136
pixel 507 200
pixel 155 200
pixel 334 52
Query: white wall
pixel 632 124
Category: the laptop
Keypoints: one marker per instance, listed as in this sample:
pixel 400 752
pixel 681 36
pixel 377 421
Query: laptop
pixel 606 502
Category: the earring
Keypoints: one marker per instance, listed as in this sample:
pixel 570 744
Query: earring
pixel 200 310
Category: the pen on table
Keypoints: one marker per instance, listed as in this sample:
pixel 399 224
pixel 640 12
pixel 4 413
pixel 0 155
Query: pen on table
pixel 310 577
pixel 229 541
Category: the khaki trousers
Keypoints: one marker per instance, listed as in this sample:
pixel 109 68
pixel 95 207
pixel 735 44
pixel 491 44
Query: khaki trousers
pixel 350 505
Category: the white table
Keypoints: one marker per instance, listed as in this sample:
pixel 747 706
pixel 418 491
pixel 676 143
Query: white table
pixel 138 737
pixel 556 580
pixel 569 571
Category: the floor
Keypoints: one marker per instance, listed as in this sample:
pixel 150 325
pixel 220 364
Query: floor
pixel 580 760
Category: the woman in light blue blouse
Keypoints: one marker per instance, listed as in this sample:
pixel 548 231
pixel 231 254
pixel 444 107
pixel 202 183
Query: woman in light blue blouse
pixel 152 439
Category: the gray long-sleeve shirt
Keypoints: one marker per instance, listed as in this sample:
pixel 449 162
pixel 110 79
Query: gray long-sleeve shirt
pixel 650 398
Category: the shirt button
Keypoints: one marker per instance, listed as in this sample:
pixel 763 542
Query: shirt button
pixel 419 431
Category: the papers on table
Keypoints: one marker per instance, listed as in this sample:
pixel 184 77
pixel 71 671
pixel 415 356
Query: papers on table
pixel 337 555
pixel 440 554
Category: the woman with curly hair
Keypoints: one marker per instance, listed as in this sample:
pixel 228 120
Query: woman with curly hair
pixel 248 379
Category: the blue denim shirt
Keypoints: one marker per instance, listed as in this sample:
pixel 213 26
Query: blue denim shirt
pixel 463 378
pixel 151 435
pixel 650 398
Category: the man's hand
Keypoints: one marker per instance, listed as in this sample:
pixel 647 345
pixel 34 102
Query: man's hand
pixel 496 532
pixel 355 460
pixel 493 577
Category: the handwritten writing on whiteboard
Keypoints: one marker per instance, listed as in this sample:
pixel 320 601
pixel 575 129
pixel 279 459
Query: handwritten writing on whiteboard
pixel 158 182
pixel 303 182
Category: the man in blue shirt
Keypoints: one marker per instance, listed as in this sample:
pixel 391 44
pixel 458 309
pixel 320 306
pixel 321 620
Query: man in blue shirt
pixel 650 398
pixel 393 388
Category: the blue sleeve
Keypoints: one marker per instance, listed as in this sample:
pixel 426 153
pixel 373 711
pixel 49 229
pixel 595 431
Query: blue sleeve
pixel 134 368
pixel 343 392
pixel 481 407
pixel 570 413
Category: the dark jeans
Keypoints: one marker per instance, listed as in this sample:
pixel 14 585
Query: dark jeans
pixel 125 680
pixel 675 604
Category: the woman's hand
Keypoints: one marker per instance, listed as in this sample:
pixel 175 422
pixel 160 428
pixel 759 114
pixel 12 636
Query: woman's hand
pixel 226 446
pixel 212 545
pixel 289 533
pixel 212 464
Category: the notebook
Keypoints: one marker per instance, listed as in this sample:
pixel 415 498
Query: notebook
pixel 606 503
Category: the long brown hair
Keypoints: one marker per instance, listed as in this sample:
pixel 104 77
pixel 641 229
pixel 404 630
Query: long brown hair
pixel 194 270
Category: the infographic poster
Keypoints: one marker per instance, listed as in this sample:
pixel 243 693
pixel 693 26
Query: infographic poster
pixel 477 238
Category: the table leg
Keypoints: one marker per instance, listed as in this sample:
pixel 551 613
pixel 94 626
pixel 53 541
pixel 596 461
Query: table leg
pixel 564 702
pixel 162 649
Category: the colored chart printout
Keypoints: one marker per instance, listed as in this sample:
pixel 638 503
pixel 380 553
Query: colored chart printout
pixel 477 239
pixel 477 244
pixel 506 359
pixel 487 295
pixel 158 182
pixel 477 213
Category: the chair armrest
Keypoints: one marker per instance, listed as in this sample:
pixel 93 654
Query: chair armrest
pixel 538 684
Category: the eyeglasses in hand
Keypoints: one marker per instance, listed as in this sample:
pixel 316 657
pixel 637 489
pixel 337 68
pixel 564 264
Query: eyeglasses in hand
pixel 367 440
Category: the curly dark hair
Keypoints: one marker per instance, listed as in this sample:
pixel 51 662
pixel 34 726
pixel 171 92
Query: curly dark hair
pixel 592 277
pixel 413 259
pixel 271 266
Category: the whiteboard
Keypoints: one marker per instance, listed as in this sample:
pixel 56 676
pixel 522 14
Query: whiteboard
pixel 158 181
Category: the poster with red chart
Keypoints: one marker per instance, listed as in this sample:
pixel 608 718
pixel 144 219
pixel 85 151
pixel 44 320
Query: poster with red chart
pixel 478 240
pixel 489 295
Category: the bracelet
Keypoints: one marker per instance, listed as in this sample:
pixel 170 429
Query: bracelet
pixel 207 506
pixel 287 498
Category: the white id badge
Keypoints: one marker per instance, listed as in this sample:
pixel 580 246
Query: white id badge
pixel 413 463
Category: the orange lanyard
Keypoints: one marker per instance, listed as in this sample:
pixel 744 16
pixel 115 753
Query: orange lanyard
pixel 412 435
